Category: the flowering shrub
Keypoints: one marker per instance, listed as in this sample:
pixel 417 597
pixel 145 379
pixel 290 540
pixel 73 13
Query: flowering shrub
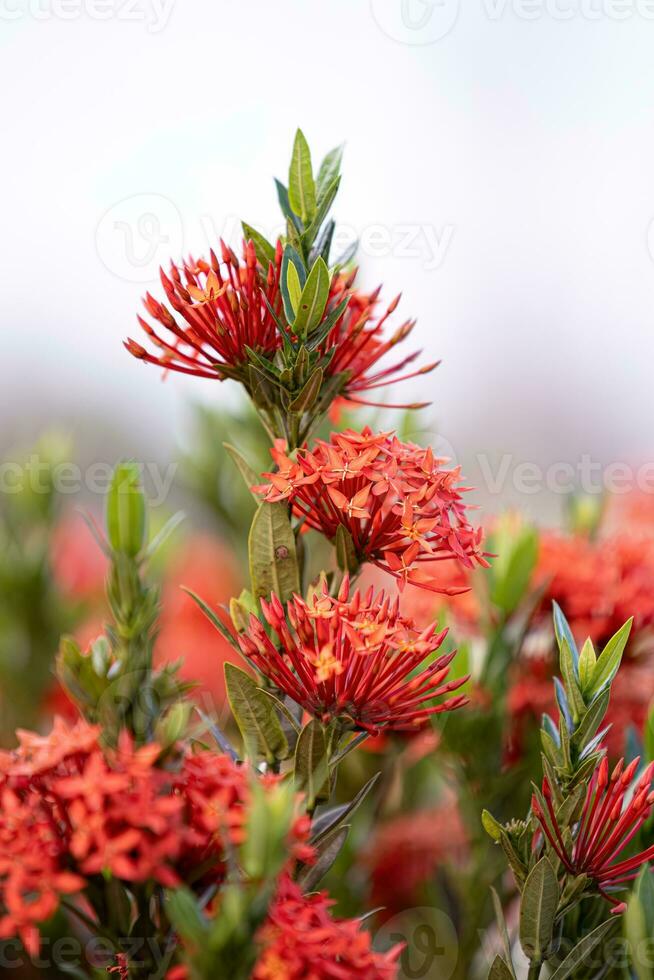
pixel 356 745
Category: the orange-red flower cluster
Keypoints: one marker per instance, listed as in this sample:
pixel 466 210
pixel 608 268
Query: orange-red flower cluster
pixel 71 810
pixel 353 658
pixel 606 827
pixel 302 940
pixel 357 339
pixel 400 507
pixel 224 308
pixel 600 584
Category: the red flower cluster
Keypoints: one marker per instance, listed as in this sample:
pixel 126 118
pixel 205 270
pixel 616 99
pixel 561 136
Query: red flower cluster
pixel 600 584
pixel 71 811
pixel 606 827
pixel 407 851
pixel 353 657
pixel 302 940
pixel 398 505
pixel 358 341
pixel 224 308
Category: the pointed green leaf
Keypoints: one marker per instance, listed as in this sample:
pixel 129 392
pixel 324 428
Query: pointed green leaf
pixel 264 250
pixel 609 660
pixel 185 915
pixel 301 187
pixel 499 970
pixel 582 950
pixel 587 661
pixel 292 280
pixel 306 399
pixel 591 721
pixel 255 716
pixel 285 205
pixel 345 553
pixel 501 925
pixel 492 827
pixel 273 558
pixel 540 897
pixel 311 764
pixel 329 170
pixel 333 818
pixel 250 476
pixel 328 850
pixel 562 630
pixel 313 299
pixel 212 617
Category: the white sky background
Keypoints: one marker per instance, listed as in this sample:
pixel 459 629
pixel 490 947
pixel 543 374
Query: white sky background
pixel 525 146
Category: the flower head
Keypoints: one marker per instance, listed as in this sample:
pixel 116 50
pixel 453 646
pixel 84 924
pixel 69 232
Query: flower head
pixel 359 343
pixel 302 939
pixel 220 310
pixel 354 658
pixel 394 499
pixel 615 808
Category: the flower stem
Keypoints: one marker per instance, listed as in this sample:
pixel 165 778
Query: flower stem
pixel 534 971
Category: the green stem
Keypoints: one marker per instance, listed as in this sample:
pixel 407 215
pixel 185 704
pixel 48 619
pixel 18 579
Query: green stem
pixel 534 971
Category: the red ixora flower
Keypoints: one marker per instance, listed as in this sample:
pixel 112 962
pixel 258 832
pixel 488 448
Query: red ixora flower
pixel 358 341
pixel 605 828
pixel 301 939
pixel 398 504
pixel 353 658
pixel 224 308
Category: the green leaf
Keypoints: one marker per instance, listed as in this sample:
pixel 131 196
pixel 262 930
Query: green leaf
pixel 345 553
pixel 311 764
pixel 591 720
pixel 492 827
pixel 581 951
pixel 609 660
pixel 313 299
pixel 185 916
pixel 540 897
pixel 212 617
pixel 329 170
pixel 284 203
pixel 569 674
pixel 265 251
pixel 255 716
pixel 307 397
pixel 501 925
pixel 273 559
pixel 499 970
pixel 291 282
pixel 250 476
pixel 126 511
pixel 333 818
pixel 562 630
pixel 322 211
pixel 328 850
pixel 587 661
pixel 301 187
pixel 511 582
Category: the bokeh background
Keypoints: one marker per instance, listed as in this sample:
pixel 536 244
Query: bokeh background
pixel 498 172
